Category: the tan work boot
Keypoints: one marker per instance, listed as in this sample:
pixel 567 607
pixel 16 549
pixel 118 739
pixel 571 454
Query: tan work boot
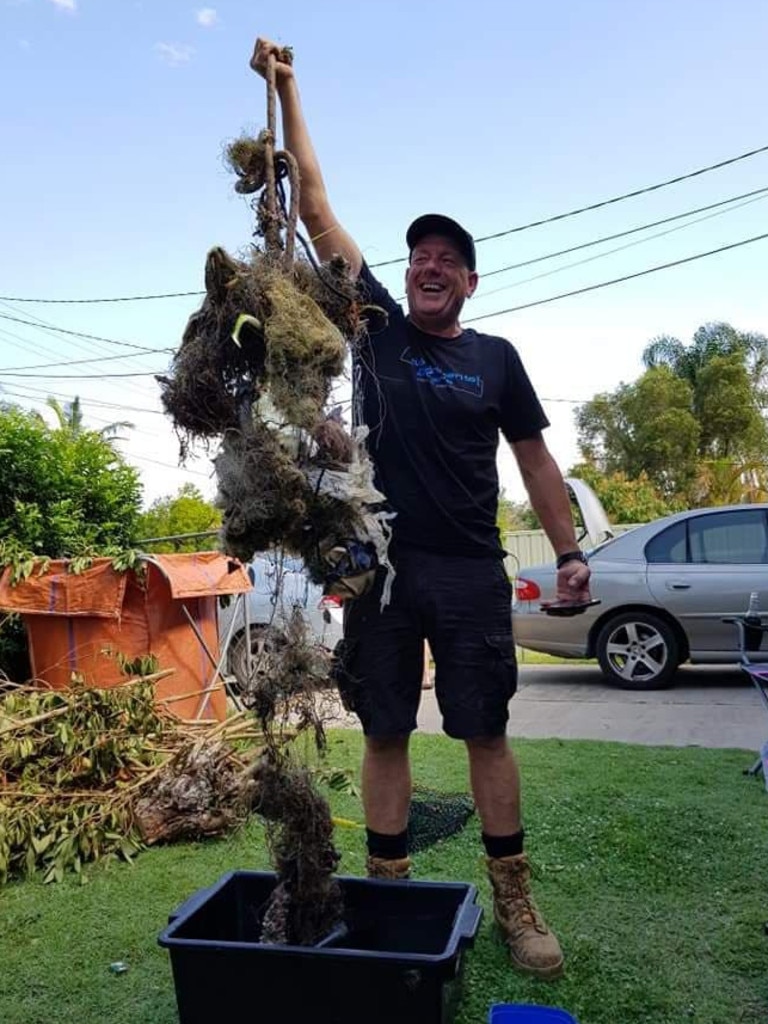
pixel 532 946
pixel 393 870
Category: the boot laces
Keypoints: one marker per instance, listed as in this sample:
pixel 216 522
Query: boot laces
pixel 513 892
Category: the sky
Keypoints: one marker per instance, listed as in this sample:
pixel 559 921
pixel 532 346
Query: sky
pixel 114 115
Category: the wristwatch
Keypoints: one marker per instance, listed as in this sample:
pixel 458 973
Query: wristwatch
pixel 571 556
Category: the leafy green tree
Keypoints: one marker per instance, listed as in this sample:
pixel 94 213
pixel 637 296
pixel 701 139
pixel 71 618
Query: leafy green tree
pixel 64 493
pixel 694 422
pixel 514 515
pixel 726 406
pixel 709 342
pixel 185 512
pixel 647 427
pixel 626 500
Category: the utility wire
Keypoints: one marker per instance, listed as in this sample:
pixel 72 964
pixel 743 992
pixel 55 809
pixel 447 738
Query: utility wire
pixel 81 334
pixel 69 398
pixel 485 294
pixel 87 346
pixel 117 298
pixel 78 376
pixel 622 234
pixel 618 248
pixel 474 319
pixel 484 238
pixel 72 362
pixel 619 280
pixel 602 202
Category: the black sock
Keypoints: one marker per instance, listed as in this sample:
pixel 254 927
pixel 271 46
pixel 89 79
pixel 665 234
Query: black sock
pixel 504 846
pixel 387 847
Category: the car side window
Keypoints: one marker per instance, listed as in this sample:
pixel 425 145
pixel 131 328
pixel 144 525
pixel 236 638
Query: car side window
pixel 668 547
pixel 729 538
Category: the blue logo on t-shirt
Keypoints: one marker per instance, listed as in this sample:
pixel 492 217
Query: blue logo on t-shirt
pixel 427 373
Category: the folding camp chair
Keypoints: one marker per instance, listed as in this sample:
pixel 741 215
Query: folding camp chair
pixel 751 632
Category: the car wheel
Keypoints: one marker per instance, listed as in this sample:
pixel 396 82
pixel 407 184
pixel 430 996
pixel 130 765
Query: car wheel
pixel 265 644
pixel 638 651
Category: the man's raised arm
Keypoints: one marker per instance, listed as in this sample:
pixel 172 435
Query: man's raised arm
pixel 328 237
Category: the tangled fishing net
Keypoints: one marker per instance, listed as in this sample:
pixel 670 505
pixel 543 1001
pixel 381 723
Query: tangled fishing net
pixel 255 373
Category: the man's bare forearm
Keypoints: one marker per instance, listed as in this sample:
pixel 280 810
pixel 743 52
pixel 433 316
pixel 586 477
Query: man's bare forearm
pixel 548 496
pixel 314 197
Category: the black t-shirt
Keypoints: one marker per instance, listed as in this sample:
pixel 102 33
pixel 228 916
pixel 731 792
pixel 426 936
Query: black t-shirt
pixel 434 407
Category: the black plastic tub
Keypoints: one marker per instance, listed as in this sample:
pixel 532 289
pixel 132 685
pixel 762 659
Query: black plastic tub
pixel 398 960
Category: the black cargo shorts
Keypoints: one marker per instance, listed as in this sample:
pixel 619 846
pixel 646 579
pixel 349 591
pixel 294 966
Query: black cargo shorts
pixel 463 607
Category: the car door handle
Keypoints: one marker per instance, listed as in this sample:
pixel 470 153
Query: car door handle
pixel 678 586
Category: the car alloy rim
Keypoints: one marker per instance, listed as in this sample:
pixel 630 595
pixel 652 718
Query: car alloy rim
pixel 263 652
pixel 636 650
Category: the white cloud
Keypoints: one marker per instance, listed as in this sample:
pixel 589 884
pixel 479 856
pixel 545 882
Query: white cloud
pixel 65 5
pixel 174 54
pixel 207 17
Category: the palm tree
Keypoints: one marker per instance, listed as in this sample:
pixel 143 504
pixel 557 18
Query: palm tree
pixel 70 417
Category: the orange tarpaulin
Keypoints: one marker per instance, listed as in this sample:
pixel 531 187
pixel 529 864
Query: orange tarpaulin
pixel 81 623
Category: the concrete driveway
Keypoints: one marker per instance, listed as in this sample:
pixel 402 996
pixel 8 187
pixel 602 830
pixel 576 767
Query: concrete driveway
pixel 707 707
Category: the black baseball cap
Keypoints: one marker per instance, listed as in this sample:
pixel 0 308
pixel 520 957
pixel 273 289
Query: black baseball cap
pixel 437 224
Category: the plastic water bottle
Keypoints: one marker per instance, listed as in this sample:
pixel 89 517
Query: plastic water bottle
pixel 753 634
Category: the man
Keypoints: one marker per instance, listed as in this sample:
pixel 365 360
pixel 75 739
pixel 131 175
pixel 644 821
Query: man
pixel 435 397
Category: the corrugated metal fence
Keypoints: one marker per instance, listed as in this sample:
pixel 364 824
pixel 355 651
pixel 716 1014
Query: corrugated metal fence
pixel 531 547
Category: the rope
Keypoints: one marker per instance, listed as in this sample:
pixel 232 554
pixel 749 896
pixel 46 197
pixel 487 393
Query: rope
pixel 270 221
pixel 279 164
pixel 292 170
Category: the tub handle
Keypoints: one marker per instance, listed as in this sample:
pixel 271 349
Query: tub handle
pixel 469 920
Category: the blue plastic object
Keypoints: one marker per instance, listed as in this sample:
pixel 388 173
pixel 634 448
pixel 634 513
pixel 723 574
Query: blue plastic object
pixel 519 1013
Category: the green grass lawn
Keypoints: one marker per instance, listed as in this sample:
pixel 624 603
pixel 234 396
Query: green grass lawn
pixel 651 866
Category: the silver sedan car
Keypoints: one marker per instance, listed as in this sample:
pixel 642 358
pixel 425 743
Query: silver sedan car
pixel 664 589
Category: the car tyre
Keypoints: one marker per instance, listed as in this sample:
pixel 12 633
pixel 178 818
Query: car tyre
pixel 265 642
pixel 638 651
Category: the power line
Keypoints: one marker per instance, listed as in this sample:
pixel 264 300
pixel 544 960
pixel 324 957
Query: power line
pixel 89 349
pixel 78 376
pixel 603 202
pixel 72 362
pixel 483 238
pixel 484 294
pixel 69 398
pixel 619 280
pixel 117 298
pixel 622 234
pixel 81 334
pixel 620 248
pixel 166 465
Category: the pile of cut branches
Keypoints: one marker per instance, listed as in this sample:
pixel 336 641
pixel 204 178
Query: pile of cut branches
pixel 86 773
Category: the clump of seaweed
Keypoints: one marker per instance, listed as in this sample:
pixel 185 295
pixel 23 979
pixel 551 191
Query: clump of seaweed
pixel 305 352
pixel 247 157
pixel 306 904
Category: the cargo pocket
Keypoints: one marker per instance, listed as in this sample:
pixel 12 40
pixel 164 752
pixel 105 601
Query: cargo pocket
pixel 503 648
pixel 343 675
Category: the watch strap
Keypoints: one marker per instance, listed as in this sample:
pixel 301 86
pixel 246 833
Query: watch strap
pixel 571 556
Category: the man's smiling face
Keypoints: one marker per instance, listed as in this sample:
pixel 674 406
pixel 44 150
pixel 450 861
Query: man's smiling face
pixel 437 284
